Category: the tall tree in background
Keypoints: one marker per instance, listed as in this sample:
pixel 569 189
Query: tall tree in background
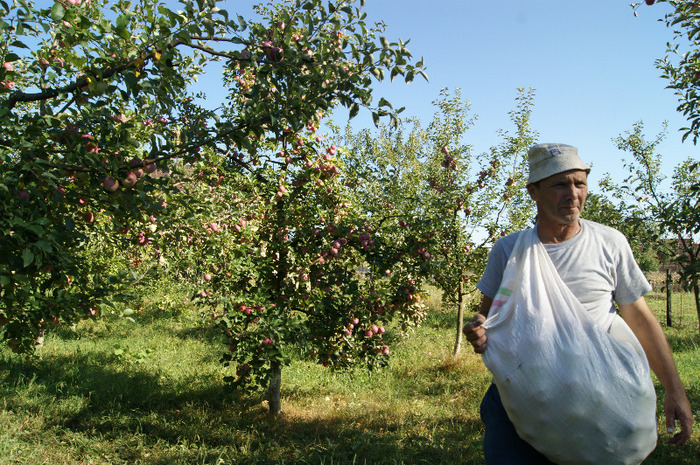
pixel 447 203
pixel 674 211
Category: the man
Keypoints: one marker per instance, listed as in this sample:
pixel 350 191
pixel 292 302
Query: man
pixel 597 265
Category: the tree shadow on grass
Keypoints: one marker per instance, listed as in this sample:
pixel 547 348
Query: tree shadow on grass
pixel 143 418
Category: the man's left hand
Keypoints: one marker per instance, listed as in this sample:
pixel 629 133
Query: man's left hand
pixel 677 408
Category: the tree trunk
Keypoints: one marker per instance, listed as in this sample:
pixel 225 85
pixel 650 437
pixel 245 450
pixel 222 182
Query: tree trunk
pixel 460 319
pixel 273 390
pixel 696 293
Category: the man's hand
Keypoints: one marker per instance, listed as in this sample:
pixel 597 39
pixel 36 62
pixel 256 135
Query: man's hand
pixel 475 333
pixel 646 327
pixel 677 408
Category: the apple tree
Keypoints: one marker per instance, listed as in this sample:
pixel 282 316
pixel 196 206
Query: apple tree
pixel 447 204
pixel 314 273
pixel 97 94
pixel 82 100
pixel 674 210
pixel 680 65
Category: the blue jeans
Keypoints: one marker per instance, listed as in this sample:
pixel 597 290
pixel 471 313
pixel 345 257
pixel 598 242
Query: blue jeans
pixel 502 445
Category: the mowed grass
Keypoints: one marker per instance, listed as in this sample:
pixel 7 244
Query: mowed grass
pixel 150 391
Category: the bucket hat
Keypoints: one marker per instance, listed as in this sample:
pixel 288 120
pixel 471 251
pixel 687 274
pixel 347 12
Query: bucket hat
pixel 549 159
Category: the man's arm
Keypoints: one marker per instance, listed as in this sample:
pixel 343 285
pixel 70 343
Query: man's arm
pixel 476 335
pixel 653 340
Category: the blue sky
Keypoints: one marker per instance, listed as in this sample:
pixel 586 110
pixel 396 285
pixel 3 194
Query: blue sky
pixel 591 63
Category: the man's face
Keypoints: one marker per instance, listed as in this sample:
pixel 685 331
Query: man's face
pixel 560 197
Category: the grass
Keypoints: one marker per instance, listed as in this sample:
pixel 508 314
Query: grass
pixel 149 391
pixel 684 340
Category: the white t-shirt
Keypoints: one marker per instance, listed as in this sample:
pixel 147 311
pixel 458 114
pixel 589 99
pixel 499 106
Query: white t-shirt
pixel 597 265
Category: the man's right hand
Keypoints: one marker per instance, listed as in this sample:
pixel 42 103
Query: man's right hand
pixel 475 333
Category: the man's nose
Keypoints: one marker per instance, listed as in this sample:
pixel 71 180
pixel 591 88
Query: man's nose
pixel 570 191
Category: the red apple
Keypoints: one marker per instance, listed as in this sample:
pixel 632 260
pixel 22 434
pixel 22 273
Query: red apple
pixel 130 179
pixel 110 184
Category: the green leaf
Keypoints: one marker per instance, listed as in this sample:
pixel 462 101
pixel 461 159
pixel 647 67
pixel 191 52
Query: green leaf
pixel 393 121
pixel 38 230
pixel 19 44
pixel 45 246
pixel 27 257
pixel 122 21
pixel 354 110
pixel 124 34
pixel 57 12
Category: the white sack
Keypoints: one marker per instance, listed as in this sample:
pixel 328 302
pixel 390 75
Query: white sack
pixel 574 392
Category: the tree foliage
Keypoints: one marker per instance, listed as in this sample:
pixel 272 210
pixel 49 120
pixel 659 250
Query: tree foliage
pixel 673 212
pixel 99 127
pixel 447 204
pixel 680 67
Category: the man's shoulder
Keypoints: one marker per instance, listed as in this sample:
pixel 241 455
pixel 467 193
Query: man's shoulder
pixel 506 243
pixel 607 232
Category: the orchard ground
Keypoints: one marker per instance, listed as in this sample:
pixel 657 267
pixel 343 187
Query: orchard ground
pixel 147 389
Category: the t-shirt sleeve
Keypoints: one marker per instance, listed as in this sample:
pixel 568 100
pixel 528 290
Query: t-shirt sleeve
pixel 495 265
pixel 631 284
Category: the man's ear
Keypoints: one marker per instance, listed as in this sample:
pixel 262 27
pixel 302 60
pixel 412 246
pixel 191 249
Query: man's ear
pixel 532 190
